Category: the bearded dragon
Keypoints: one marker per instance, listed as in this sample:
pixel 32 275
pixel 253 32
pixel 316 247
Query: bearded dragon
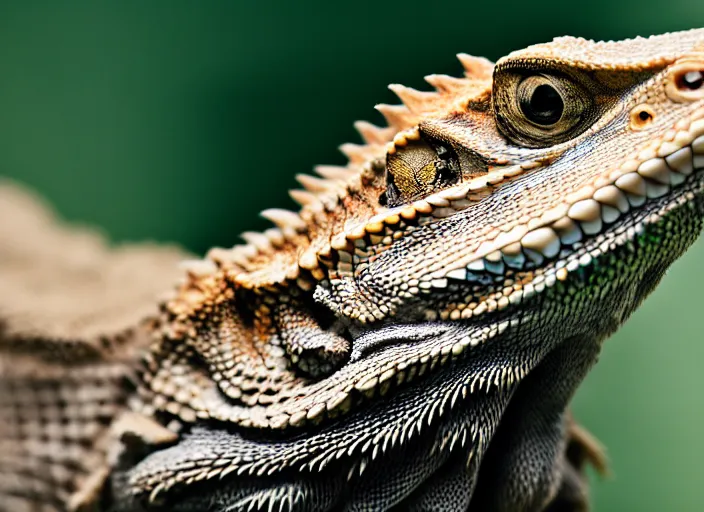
pixel 410 340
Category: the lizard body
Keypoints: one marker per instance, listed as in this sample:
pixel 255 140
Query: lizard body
pixel 412 338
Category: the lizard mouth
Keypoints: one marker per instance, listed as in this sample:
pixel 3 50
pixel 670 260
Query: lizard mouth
pixel 565 231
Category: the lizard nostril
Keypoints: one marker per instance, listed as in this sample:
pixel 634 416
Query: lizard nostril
pixel 642 116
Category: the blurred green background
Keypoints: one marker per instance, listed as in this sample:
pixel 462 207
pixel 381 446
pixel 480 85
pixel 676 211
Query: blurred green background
pixel 179 121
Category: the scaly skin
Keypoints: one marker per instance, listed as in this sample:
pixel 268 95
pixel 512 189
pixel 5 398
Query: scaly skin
pixel 411 339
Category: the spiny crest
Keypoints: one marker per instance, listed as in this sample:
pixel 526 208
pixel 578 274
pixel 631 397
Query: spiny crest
pixel 629 54
pixel 340 196
pixel 449 91
pixel 371 443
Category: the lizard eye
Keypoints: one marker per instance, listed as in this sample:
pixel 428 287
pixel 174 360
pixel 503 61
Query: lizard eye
pixel 541 103
pixel 541 110
pixel 692 80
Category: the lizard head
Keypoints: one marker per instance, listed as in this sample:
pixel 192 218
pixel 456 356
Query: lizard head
pixel 520 183
pixel 476 250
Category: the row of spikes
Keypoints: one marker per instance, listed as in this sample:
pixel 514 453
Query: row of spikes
pixel 321 194
pixel 369 444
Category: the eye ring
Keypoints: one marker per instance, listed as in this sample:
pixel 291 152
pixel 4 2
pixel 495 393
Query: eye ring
pixel 685 81
pixel 540 109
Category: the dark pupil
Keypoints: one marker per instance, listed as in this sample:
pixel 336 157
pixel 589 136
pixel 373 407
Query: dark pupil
pixel 693 80
pixel 545 106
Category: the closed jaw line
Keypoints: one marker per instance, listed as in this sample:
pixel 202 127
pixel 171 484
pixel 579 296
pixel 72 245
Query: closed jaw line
pixel 555 235
pixel 627 189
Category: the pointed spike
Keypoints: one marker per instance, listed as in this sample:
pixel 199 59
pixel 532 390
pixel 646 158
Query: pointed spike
pixel 398 116
pixel 476 67
pixel 373 134
pixel 243 253
pixel 334 172
pixel 353 447
pixel 227 471
pixel 394 437
pixel 431 414
pixel 223 256
pixel 385 446
pixel 262 470
pixel 409 431
pixel 375 451
pixel 302 197
pixel 284 219
pixel 317 460
pixel 309 259
pixel 443 443
pixel 258 240
pixel 357 153
pixel 329 458
pixel 447 84
pixel 313 184
pixel 155 492
pixel 276 236
pixel 289 501
pixel 362 466
pixel 416 101
pixel 455 397
pixel 198 268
